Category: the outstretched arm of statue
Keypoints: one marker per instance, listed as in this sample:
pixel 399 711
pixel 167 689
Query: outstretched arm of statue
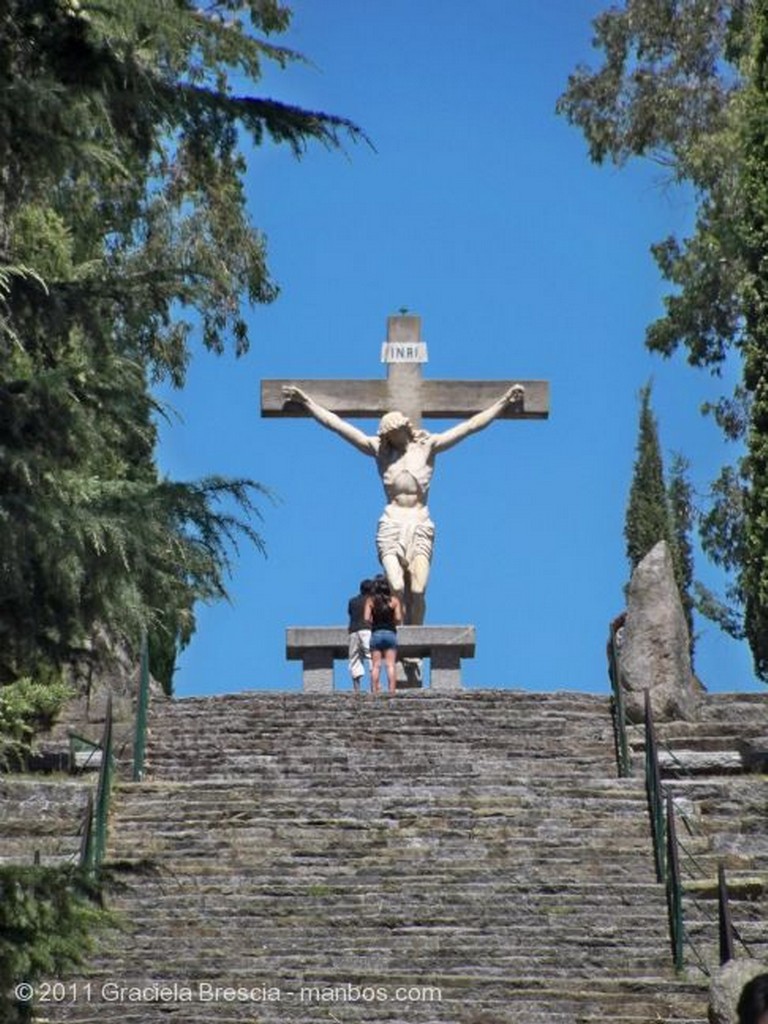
pixel 329 419
pixel 513 396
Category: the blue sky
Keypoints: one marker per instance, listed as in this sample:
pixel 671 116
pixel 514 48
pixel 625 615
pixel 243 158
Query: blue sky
pixel 479 210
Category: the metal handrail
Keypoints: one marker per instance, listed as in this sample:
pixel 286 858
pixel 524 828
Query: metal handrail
pixel 75 741
pixel 724 913
pixel 664 833
pixel 93 845
pixel 674 887
pixel 654 791
pixel 86 843
pixel 142 708
pixel 623 759
pixel 667 848
pixel 103 790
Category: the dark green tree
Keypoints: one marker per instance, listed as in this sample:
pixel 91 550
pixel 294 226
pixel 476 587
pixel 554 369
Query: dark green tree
pixel 683 83
pixel 122 225
pixel 682 512
pixel 667 90
pixel 657 510
pixel 648 518
pixel 48 920
pixel 753 232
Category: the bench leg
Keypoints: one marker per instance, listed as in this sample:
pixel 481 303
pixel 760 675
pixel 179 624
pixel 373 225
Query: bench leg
pixel 445 670
pixel 317 674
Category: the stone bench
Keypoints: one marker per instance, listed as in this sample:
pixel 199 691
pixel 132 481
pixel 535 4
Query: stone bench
pixel 317 647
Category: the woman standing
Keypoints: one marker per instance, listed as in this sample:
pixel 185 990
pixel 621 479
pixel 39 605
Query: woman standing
pixel 385 613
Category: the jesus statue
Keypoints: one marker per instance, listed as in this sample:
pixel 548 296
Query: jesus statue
pixel 405 459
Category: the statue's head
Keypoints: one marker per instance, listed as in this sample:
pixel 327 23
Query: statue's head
pixel 393 423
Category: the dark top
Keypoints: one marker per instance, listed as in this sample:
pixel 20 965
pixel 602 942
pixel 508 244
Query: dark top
pixel 383 618
pixel 355 610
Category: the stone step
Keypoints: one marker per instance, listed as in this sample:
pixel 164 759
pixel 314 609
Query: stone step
pixel 480 841
pixel 43 817
pixel 575 1000
pixel 597 824
pixel 398 950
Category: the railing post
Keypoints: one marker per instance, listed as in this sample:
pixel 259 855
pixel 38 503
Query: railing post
pixel 86 843
pixel 623 760
pixel 674 887
pixel 726 925
pixel 103 790
pixel 653 789
pixel 142 707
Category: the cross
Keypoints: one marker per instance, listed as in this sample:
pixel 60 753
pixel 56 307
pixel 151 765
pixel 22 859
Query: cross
pixel 405 388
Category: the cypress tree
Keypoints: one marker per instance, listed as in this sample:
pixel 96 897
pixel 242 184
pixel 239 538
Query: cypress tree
pixel 648 517
pixel 657 511
pixel 680 497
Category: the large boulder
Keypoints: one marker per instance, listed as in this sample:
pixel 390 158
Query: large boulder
pixel 654 654
pixel 726 985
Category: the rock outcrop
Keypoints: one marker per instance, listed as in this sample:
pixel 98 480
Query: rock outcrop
pixel 727 983
pixel 655 647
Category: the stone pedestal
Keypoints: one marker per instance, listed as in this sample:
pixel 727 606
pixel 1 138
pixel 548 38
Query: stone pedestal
pixel 317 647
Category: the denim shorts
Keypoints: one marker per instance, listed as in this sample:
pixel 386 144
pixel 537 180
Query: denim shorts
pixel 383 640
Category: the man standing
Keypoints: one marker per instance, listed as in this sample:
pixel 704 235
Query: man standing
pixel 359 635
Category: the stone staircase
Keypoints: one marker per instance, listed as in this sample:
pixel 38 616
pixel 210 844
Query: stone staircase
pixel 721 816
pixel 42 818
pixel 342 859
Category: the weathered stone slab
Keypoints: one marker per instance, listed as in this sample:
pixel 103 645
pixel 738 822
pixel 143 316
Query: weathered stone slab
pixel 317 647
pixel 655 650
pixel 726 986
pixel 754 753
pixel 700 762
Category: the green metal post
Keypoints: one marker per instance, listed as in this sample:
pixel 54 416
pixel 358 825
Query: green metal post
pixel 726 925
pixel 142 708
pixel 619 718
pixel 653 790
pixel 674 887
pixel 103 790
pixel 86 843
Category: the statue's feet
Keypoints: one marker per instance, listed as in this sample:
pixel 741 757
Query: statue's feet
pixel 413 675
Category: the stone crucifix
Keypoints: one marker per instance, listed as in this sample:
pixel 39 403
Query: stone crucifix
pixel 404 453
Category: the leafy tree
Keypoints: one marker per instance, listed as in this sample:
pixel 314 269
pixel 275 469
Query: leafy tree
pixel 48 919
pixel 667 90
pixel 722 530
pixel 683 83
pixel 27 706
pixel 122 225
pixel 753 230
pixel 648 517
pixel 121 123
pixel 680 499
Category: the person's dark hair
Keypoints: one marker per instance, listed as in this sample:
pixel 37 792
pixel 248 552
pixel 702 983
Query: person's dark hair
pixel 753 1001
pixel 366 587
pixel 382 594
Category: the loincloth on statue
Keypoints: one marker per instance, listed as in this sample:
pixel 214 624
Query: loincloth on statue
pixel 405 533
